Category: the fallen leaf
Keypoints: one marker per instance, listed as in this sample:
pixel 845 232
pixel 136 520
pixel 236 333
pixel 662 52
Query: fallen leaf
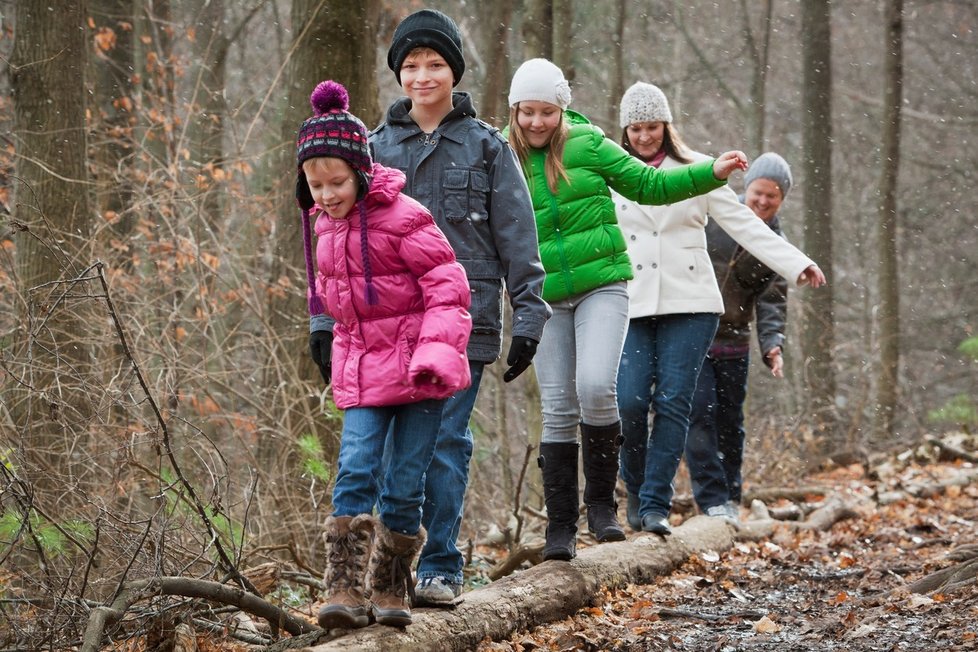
pixel 766 626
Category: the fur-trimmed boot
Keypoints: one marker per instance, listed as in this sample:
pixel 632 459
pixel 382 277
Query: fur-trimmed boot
pixel 601 445
pixel 391 586
pixel 348 542
pixel 558 462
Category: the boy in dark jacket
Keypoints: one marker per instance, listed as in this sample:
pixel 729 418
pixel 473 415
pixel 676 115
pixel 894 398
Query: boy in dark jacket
pixel 464 172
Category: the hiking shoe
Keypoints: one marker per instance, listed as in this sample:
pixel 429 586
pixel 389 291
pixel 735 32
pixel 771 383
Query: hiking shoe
pixel 436 591
pixel 634 518
pixel 733 511
pixel 656 523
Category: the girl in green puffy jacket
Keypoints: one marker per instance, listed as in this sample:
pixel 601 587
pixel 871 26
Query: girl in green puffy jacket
pixel 569 166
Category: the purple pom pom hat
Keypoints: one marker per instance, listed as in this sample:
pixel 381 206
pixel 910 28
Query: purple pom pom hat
pixel 334 132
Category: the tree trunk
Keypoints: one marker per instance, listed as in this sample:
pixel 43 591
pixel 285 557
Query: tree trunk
pixel 494 107
pixel 562 12
pixel 51 208
pixel 205 124
pixel 889 275
pixel 538 21
pixel 617 88
pixel 758 47
pixel 113 68
pixel 542 594
pixel 818 325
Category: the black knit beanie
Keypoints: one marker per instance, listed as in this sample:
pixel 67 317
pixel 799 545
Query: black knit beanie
pixel 432 29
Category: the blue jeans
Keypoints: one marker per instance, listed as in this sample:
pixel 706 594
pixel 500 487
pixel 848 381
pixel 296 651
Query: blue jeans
pixel 446 479
pixel 664 352
pixel 715 446
pixel 409 432
pixel 577 361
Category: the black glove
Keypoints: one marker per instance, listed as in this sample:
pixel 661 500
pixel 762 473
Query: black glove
pixel 321 350
pixel 521 353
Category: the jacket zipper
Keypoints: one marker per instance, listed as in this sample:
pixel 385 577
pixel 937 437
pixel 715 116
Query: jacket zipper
pixel 564 267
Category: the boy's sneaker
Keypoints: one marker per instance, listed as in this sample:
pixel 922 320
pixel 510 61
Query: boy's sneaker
pixel 725 512
pixel 733 511
pixel 717 511
pixel 436 592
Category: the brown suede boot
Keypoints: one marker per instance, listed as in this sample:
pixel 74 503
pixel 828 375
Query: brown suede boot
pixel 389 577
pixel 348 544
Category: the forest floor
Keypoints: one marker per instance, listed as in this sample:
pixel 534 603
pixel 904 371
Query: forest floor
pixel 841 589
pixel 863 583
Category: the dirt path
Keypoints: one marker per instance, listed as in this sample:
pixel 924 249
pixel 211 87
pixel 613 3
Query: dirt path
pixel 843 589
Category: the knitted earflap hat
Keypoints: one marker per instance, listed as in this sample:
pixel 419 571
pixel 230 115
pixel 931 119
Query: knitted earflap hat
pixel 770 166
pixel 643 103
pixel 332 132
pixel 432 29
pixel 539 80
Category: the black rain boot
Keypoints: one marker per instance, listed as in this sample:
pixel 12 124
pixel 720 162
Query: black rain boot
pixel 558 461
pixel 600 451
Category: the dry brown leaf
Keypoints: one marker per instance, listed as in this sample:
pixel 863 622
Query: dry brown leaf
pixel 766 626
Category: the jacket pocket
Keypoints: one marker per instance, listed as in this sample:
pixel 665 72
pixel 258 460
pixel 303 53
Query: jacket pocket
pixel 466 194
pixel 487 306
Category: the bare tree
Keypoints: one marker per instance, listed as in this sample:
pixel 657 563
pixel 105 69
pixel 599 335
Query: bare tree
pixel 562 36
pixel 818 328
pixel 113 67
pixel 493 105
pixel 889 273
pixel 538 29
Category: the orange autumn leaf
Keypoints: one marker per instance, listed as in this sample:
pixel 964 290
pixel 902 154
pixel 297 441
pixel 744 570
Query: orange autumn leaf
pixel 180 332
pixel 839 598
pixel 105 39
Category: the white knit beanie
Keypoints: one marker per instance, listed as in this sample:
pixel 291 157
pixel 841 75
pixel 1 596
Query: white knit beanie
pixel 770 166
pixel 538 80
pixel 643 103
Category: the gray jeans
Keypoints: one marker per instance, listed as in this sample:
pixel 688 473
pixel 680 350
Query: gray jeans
pixel 577 361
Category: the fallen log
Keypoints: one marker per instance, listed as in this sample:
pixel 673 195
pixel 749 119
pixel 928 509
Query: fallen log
pixel 545 593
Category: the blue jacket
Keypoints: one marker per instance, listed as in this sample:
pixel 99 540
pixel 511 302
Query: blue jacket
pixel 466 174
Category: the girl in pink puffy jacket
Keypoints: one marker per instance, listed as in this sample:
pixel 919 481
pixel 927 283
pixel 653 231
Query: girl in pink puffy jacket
pixel 399 303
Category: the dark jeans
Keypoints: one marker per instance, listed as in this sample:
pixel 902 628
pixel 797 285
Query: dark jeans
pixel 715 446
pixel 664 353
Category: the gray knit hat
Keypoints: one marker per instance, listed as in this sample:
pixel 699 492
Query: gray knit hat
pixel 643 103
pixel 770 166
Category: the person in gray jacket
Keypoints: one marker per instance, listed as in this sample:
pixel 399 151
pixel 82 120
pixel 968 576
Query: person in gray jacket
pixel 750 290
pixel 464 172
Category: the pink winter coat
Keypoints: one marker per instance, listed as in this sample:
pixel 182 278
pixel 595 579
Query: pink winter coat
pixel 410 345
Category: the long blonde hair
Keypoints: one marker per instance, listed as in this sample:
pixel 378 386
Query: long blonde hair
pixel 554 164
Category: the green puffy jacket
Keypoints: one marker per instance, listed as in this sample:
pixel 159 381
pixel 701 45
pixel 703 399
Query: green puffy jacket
pixel 581 245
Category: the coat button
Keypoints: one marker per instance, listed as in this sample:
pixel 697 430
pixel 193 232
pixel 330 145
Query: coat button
pixel 690 268
pixel 655 265
pixel 638 267
pixel 633 237
pixel 655 233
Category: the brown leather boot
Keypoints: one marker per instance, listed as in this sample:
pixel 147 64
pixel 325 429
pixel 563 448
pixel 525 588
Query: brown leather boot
pixel 389 577
pixel 348 544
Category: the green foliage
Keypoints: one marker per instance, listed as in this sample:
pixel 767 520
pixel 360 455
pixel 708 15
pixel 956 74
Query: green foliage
pixel 313 457
pixel 290 596
pixel 970 348
pixel 231 533
pixel 960 410
pixel 52 539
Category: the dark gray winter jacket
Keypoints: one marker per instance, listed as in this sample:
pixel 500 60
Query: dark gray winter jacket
pixel 466 174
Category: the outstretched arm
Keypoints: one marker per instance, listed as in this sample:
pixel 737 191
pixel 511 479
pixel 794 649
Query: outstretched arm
pixel 728 162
